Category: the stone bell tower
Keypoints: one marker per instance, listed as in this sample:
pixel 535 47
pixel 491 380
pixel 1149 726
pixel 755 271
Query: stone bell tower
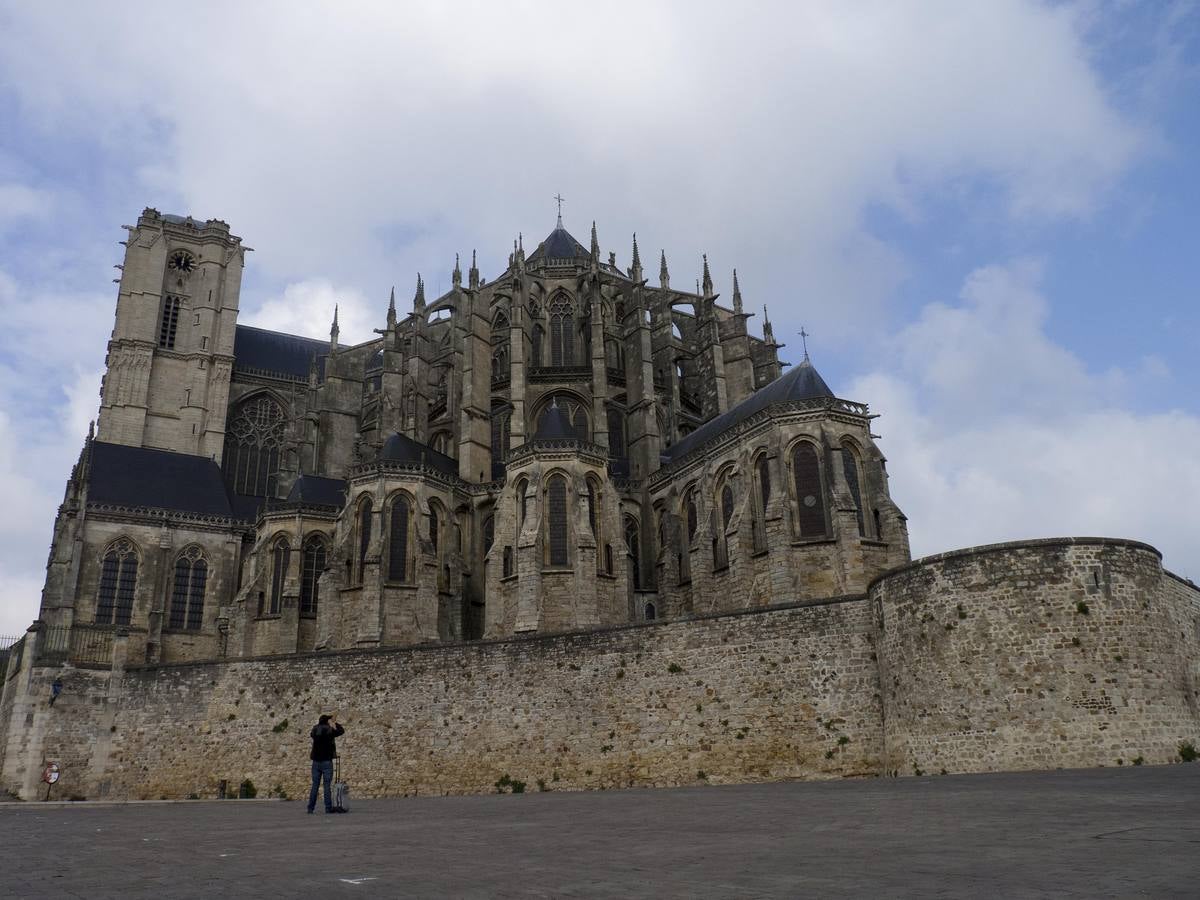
pixel 171 353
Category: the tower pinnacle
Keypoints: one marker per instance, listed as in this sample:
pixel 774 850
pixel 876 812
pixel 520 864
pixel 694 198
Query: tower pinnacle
pixel 664 277
pixel 456 275
pixel 737 294
pixel 419 296
pixel 333 330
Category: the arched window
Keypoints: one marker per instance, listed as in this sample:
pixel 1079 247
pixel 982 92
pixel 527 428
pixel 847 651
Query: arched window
pixel 693 521
pixel 762 474
pixel 312 565
pixel 538 339
pixel 118 579
pixel 501 414
pixel 508 561
pixel 281 555
pixel 442 443
pixel 364 535
pixel 557 520
pixel 616 433
pixel 562 332
pixel 878 525
pixel 398 525
pixel 489 533
pixel 608 559
pixel 632 544
pixel 500 362
pixel 850 467
pixel 726 506
pixel 435 528
pixel 522 503
pixel 592 508
pixel 651 612
pixel 187 598
pixel 810 493
pixel 252 443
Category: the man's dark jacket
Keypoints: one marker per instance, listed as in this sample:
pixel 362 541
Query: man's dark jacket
pixel 324 746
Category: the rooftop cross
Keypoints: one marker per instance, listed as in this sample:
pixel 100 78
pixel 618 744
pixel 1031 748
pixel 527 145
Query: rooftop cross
pixel 804 336
pixel 559 198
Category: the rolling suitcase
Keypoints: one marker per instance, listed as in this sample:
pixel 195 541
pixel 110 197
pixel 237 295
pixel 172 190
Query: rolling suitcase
pixel 341 791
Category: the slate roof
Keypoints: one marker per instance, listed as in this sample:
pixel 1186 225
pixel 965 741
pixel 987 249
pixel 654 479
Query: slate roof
pixel 273 351
pixel 402 448
pixel 318 489
pixel 157 479
pixel 559 244
pixel 801 383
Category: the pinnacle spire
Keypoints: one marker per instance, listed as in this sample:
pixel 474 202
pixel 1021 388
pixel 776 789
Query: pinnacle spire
pixel 391 313
pixel 473 274
pixel 664 277
pixel 737 294
pixel 595 252
pixel 334 330
pixel 419 296
pixel 637 259
pixel 707 284
pixel 768 331
pixel 456 275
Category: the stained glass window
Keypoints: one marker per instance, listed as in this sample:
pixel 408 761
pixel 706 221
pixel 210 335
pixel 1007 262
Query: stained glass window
pixel 312 565
pixel 118 579
pixel 280 557
pixel 850 466
pixel 364 535
pixel 252 444
pixel 557 502
pixel 562 332
pixel 810 494
pixel 398 540
pixel 187 598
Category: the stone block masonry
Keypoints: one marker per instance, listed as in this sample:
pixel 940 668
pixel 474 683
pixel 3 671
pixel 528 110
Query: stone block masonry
pixel 1037 655
pixel 1040 654
pixel 780 694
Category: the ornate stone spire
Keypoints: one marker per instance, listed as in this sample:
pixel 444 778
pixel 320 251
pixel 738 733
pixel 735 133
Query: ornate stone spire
pixel 768 331
pixel 456 275
pixel 595 252
pixel 333 330
pixel 473 273
pixel 707 282
pixel 419 296
pixel 391 313
pixel 737 294
pixel 664 277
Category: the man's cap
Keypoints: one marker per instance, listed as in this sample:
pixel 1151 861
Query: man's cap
pixel 323 720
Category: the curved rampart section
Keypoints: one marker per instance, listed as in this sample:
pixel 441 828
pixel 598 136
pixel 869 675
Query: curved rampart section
pixel 1037 654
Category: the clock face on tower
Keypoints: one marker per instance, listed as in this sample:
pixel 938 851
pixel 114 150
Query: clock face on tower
pixel 182 261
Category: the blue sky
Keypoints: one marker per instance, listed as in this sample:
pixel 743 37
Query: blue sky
pixel 985 214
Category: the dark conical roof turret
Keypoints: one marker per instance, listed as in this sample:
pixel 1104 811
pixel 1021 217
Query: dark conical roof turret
pixel 801 383
pixel 554 425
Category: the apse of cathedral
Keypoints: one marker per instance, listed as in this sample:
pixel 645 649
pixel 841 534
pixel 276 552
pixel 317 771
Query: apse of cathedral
pixel 566 446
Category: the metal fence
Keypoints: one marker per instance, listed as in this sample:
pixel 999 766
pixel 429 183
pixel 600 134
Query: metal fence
pixel 11 649
pixel 83 645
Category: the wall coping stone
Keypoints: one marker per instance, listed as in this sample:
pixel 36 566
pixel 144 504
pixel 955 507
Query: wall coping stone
pixel 1008 546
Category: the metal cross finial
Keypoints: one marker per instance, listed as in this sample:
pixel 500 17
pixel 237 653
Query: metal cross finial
pixel 559 198
pixel 804 336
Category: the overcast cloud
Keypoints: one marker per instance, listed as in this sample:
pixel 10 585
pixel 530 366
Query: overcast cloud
pixel 831 152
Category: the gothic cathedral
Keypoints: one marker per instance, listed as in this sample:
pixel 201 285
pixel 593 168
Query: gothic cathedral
pixel 565 447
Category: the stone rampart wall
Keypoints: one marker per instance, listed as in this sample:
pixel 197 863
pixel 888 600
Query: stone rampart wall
pixel 774 694
pixel 1040 654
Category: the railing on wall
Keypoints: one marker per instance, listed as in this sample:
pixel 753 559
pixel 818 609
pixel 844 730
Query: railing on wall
pixel 81 645
pixel 11 648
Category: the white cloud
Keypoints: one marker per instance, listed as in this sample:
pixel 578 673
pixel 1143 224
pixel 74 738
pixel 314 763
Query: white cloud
pixel 20 202
pixel 307 308
pixel 365 152
pixel 993 432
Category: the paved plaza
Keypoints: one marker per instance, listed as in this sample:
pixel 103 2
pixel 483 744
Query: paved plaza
pixel 1132 832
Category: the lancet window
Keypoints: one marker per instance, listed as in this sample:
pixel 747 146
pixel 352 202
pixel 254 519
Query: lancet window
pixel 313 562
pixel 187 598
pixel 557 520
pixel 281 555
pixel 118 580
pixel 810 493
pixel 850 467
pixel 562 332
pixel 398 532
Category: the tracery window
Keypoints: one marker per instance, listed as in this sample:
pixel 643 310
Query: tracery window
pixel 850 467
pixel 633 546
pixel 522 503
pixel 187 598
pixel 557 520
pixel 314 555
pixel 398 527
pixel 118 580
pixel 810 493
pixel 537 341
pixel 501 438
pixel 169 322
pixel 562 332
pixel 762 474
pixel 364 536
pixel 489 533
pixel 252 443
pixel 280 557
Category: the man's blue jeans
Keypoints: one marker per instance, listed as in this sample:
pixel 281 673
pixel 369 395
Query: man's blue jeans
pixel 322 770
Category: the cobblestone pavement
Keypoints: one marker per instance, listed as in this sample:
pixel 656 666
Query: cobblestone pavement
pixel 1099 833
